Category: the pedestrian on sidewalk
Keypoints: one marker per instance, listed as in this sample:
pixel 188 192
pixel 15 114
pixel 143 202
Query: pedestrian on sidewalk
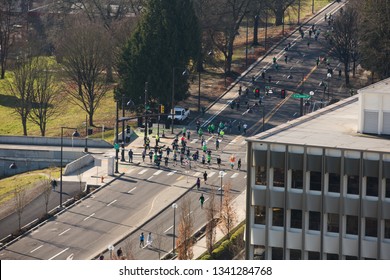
pixel 149 240
pixel 141 240
pixel 54 184
pixel 143 155
pixel 130 156
pixel 188 135
pixel 239 164
pixel 119 252
pixel 201 199
pixel 198 183
pixel 166 161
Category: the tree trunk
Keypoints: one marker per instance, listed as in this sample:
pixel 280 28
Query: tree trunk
pixel 279 14
pixel 346 73
pixel 255 31
pixel 24 124
pixel 90 115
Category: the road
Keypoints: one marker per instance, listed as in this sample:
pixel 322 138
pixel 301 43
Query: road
pixel 140 200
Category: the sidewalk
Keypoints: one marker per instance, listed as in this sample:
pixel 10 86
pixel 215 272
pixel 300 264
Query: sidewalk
pixel 239 206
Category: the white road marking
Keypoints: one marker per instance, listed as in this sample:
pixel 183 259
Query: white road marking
pixel 157 172
pixel 210 174
pixel 142 171
pixel 234 175
pixel 59 253
pixel 32 251
pixel 150 178
pixel 171 173
pixel 86 218
pixel 181 177
pixel 131 190
pixel 64 232
pixel 111 202
pixel 197 174
pixel 168 229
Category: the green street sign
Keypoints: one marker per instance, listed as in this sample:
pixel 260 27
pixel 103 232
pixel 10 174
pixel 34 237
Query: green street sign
pixel 297 95
pixel 116 146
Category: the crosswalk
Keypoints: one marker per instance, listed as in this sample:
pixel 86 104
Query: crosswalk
pixel 227 173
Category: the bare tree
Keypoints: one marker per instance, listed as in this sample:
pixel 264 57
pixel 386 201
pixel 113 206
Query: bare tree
pixel 22 88
pixel 185 230
pixel 158 239
pixel 7 26
pixel 228 216
pixel 46 189
pixel 344 38
pixel 45 101
pixel 128 250
pixel 20 202
pixel 211 213
pixel 84 47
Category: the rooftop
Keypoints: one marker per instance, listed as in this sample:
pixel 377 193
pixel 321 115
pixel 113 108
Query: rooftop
pixel 334 126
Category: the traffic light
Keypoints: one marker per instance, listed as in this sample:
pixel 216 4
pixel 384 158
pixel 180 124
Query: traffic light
pixel 283 94
pixel 128 129
pixel 257 92
pixel 162 109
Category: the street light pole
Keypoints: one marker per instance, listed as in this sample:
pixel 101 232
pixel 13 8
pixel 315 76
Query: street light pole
pixel 86 134
pixel 123 130
pixel 173 96
pixel 174 206
pixel 116 137
pixel 329 76
pixel 221 174
pixel 75 134
pixel 246 44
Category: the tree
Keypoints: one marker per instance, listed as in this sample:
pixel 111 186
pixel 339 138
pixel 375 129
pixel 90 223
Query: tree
pixel 20 202
pixel 164 43
pixel 228 216
pixel 7 26
pixel 46 189
pixel 225 20
pixel 279 8
pixel 374 31
pixel 84 48
pixel 211 212
pixel 185 229
pixel 344 38
pixel 22 88
pixel 45 101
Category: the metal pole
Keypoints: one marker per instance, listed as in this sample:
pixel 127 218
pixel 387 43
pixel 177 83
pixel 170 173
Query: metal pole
pixel 221 191
pixel 173 96
pixel 263 119
pixel 146 112
pixel 199 91
pixel 174 229
pixel 301 103
pixel 86 134
pixel 62 129
pixel 246 45
pixel 123 130
pixel 266 29
pixel 116 138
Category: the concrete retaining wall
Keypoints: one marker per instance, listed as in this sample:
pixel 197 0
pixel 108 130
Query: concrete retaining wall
pixel 53 141
pixel 78 164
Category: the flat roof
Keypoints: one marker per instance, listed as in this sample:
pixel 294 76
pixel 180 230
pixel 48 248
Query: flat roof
pixel 334 126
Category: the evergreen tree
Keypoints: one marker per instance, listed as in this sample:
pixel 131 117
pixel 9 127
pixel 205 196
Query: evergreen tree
pixel 166 39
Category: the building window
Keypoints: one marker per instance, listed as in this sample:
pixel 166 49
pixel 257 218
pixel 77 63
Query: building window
pixel 353 185
pixel 333 222
pixel 277 217
pixel 387 189
pixel 261 178
pixel 258 252
pixel 352 225
pixel 277 253
pixel 315 181
pixel 332 256
pixel 371 227
pixel 295 254
pixel 260 215
pixel 278 177
pixel 372 186
pixel 334 182
pixel 387 229
pixel 296 179
pixel 296 219
pixel 351 257
pixel 314 220
pixel 313 255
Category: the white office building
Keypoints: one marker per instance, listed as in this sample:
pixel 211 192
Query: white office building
pixel 318 187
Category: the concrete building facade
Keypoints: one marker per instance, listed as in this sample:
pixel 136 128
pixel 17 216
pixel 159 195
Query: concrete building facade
pixel 319 187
